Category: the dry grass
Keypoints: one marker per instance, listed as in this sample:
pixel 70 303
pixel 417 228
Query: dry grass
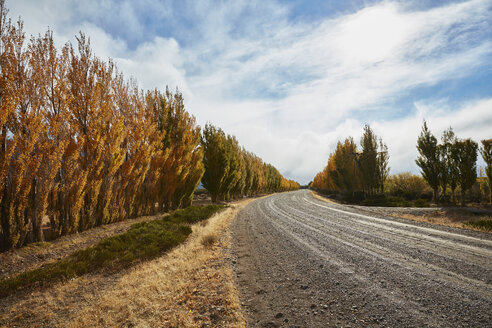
pixel 452 218
pixel 209 240
pixel 325 199
pixel 192 286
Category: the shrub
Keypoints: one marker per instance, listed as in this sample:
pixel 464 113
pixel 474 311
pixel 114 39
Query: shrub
pixel 386 201
pixel 407 185
pixel 209 240
pixel 193 214
pixel 421 203
pixel 483 224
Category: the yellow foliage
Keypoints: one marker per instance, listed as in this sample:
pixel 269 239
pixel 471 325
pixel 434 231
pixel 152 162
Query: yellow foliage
pixel 83 146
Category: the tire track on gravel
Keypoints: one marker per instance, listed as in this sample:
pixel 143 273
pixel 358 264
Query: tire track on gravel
pixel 303 263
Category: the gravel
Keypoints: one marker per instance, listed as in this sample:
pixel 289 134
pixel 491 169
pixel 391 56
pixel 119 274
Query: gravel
pixel 302 262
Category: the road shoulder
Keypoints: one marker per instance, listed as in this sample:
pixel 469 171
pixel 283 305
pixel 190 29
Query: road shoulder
pixel 452 217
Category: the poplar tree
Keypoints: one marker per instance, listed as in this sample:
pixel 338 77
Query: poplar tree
pixel 428 161
pixel 184 137
pixel 368 161
pixel 382 165
pixel 249 173
pixel 7 108
pixel 448 169
pixel 346 173
pixel 50 147
pixel 465 156
pixel 182 145
pixel 215 160
pixel 258 184
pixel 238 190
pixel 27 128
pixel 88 110
pixel 6 96
pixel 233 176
pixel 486 151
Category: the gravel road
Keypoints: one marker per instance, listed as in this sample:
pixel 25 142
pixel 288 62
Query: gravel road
pixel 302 262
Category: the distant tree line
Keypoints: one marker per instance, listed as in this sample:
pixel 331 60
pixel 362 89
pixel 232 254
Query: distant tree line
pixel 233 172
pixel 446 168
pixel 351 172
pixel 451 163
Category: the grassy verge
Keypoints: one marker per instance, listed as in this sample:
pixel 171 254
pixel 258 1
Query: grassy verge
pixel 485 225
pixel 192 285
pixel 145 240
pixel 36 255
pixel 392 201
pixel 376 200
pixel 453 217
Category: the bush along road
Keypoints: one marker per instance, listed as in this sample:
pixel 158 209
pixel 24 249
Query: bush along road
pixel 302 262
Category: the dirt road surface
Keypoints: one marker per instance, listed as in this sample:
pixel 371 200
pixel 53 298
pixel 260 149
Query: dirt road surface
pixel 302 262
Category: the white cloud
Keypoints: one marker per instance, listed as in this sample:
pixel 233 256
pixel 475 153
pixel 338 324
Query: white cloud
pixel 371 35
pixel 471 120
pixel 156 64
pixel 349 63
pixel 289 90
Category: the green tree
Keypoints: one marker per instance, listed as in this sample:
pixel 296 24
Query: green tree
pixel 250 173
pixel 428 161
pixel 239 187
pixel 447 173
pixel 382 165
pixel 368 161
pixel 233 156
pixel 465 155
pixel 215 160
pixel 486 151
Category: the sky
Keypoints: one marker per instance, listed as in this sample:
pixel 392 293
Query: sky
pixel 291 78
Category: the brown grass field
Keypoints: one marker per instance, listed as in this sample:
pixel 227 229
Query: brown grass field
pixel 451 218
pixel 191 286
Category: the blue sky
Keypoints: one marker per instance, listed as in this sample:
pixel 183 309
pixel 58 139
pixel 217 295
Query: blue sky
pixel 290 78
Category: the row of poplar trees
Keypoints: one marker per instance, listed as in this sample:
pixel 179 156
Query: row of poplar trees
pixel 233 172
pixel 349 171
pixel 451 163
pixel 80 145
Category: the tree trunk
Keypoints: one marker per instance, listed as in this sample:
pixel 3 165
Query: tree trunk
pixel 463 191
pixel 436 195
pixel 5 228
pixel 37 218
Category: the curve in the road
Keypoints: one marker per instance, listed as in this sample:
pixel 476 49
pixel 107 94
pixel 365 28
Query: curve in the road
pixel 303 262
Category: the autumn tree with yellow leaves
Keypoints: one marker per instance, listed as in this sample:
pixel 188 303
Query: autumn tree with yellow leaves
pixel 350 170
pixel 80 146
